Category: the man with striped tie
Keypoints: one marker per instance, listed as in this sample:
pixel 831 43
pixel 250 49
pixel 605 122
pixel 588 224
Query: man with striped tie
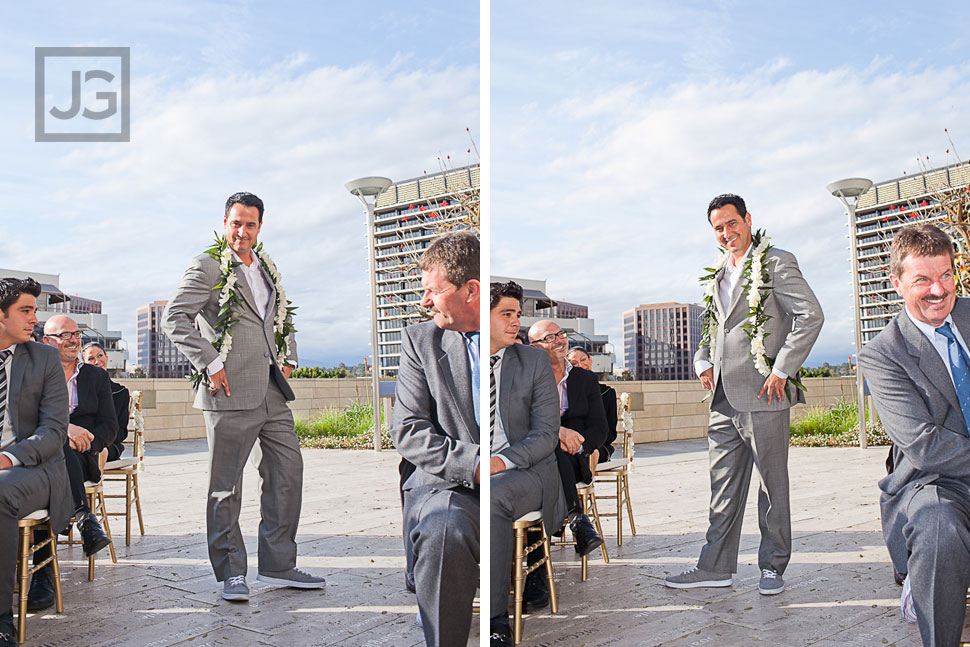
pixel 435 428
pixel 919 375
pixel 524 433
pixel 33 429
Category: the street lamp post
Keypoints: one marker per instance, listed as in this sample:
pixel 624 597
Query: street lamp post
pixel 848 192
pixel 364 188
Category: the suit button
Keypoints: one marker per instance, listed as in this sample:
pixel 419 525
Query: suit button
pixel 434 490
pixel 917 485
pixel 266 353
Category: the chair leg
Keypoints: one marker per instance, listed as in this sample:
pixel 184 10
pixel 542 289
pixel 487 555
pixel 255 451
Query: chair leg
pixel 57 570
pixel 619 512
pixel 107 527
pixel 550 578
pixel 629 505
pixel 518 584
pixel 24 572
pixel 599 528
pixel 141 524
pixel 127 508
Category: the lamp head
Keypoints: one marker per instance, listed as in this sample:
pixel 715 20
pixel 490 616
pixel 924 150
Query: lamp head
pixel 368 186
pixel 851 187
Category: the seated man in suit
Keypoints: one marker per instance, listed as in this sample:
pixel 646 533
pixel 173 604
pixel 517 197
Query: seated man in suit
pixel 524 431
pixel 579 357
pixel 918 374
pixel 92 429
pixel 435 428
pixel 33 427
pixel 94 353
pixel 582 427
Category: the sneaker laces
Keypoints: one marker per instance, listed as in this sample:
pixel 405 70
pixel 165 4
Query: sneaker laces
pixel 236 580
pixel 767 572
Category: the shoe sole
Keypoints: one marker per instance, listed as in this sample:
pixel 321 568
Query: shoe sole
pixel 591 548
pixel 290 583
pixel 771 591
pixel 35 608
pixel 98 547
pixel 236 597
pixel 711 584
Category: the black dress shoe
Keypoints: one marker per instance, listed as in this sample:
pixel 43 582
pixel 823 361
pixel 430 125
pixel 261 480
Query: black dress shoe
pixel 41 594
pixel 8 633
pixel 500 635
pixel 93 538
pixel 409 582
pixel 587 539
pixel 536 594
pixel 898 577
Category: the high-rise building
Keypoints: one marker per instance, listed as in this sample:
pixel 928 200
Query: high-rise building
pixel 156 352
pixel 409 215
pixel 880 213
pixel 660 339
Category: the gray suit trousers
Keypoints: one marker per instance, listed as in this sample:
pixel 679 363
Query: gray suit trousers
pixel 22 490
pixel 444 533
pixel 514 493
pixel 231 437
pixel 937 532
pixel 739 440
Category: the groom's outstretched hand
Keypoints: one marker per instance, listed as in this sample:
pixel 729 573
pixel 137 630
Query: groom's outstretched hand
pixel 707 379
pixel 218 381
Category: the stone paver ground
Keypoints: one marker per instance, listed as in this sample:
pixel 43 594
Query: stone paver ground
pixel 840 589
pixel 162 591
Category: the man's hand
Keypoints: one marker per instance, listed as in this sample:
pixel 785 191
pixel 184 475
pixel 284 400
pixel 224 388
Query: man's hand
pixel 5 462
pixel 219 381
pixel 570 441
pixel 774 385
pixel 707 379
pixel 287 369
pixel 495 465
pixel 79 438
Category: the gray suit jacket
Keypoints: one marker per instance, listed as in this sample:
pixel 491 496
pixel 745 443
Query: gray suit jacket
pixel 796 320
pixel 919 408
pixel 252 356
pixel 529 407
pixel 39 414
pixel 434 424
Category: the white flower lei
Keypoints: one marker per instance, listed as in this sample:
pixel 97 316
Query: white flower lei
pixel 756 277
pixel 229 298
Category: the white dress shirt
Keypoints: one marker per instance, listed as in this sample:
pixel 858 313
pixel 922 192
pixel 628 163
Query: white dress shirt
pixel 500 439
pixel 940 343
pixel 7 435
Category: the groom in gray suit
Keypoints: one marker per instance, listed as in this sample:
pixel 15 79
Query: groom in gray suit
pixel 33 430
pixel 749 421
pixel 435 428
pixel 255 407
pixel 524 435
pixel 918 374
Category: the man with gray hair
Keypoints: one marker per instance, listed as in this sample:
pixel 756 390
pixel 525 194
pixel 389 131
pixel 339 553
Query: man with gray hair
pixel 918 371
pixel 435 428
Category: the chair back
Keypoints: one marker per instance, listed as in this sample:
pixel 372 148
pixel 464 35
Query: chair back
pixel 626 416
pixel 136 426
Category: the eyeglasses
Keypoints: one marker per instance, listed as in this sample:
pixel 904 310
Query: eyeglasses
pixel 64 336
pixel 548 339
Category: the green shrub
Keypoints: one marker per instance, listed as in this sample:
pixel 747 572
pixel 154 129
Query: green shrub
pixel 835 426
pixel 332 428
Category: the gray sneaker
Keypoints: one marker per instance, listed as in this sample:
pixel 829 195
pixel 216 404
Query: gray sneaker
pixel 293 577
pixel 771 582
pixel 695 577
pixel 235 589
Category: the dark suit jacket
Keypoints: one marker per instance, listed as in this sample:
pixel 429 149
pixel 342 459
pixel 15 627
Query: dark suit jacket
pixel 528 404
pixel 919 408
pixel 585 414
pixel 121 399
pixel 38 413
pixel 609 407
pixel 434 426
pixel 95 407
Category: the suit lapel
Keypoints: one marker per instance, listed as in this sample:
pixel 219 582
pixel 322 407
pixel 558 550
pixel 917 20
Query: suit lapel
pixel 717 293
pixel 930 362
pixel 242 286
pixel 270 310
pixel 510 366
pixel 453 363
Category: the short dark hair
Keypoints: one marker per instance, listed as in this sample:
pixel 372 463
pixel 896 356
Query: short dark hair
pixel 499 290
pixel 11 289
pixel 456 254
pixel 580 349
pixel 725 199
pixel 246 200
pixel 918 240
pixel 92 344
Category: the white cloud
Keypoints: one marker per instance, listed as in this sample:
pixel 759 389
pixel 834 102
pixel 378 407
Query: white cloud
pixel 621 179
pixel 119 222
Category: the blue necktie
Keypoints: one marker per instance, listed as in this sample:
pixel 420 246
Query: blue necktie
pixel 471 340
pixel 960 367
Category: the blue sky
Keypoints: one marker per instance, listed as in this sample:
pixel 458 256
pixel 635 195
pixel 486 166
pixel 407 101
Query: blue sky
pixel 285 99
pixel 614 123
